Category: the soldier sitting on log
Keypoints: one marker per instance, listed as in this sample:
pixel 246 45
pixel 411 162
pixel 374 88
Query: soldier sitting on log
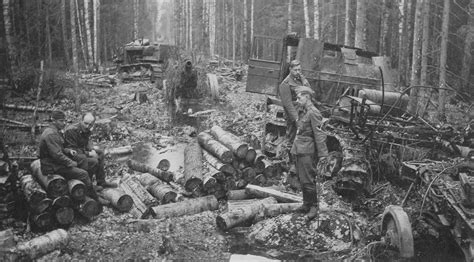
pixel 187 84
pixel 53 156
pixel 88 157
pixel 310 143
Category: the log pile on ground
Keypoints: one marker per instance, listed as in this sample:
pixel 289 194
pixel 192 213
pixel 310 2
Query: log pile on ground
pixel 233 164
pixel 97 80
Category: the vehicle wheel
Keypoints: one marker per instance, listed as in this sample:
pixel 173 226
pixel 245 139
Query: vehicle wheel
pixel 396 231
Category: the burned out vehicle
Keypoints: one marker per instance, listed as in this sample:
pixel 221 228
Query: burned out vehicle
pixel 142 60
pixel 371 136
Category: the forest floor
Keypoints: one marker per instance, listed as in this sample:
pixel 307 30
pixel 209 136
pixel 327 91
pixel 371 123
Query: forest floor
pixel 115 236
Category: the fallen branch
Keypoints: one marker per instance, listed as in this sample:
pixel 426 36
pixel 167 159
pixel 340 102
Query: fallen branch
pixel 25 108
pixel 263 192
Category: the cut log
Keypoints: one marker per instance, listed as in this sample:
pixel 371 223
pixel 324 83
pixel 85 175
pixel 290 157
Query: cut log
pixel 55 185
pixel 44 244
pixel 193 171
pixel 139 191
pixel 273 210
pixel 231 141
pixel 209 182
pixel 218 164
pixel 258 163
pixel 62 201
pixel 243 164
pixel 241 183
pixel 263 192
pixel 64 216
pixel 34 194
pixel 89 208
pixel 230 183
pixel 160 190
pixel 249 174
pixel 269 169
pixel 164 165
pixel 139 209
pixel 140 167
pixel 186 207
pixel 243 214
pixel 25 108
pixel 238 195
pixel 260 179
pixel 42 221
pixel 216 148
pixel 219 176
pixel 141 97
pixel 121 201
pixel 77 189
pixel 119 150
pixel 251 155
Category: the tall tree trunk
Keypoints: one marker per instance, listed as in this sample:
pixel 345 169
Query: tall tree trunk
pixel 87 26
pixel 410 17
pixel 135 19
pixel 289 24
pixel 361 25
pixel 467 57
pixel 81 38
pixel 227 31
pixel 96 4
pixel 383 28
pixel 425 93
pixel 190 7
pixel 306 19
pixel 48 36
pixel 403 33
pixel 316 25
pixel 246 37
pixel 416 58
pixel 212 27
pixel 348 24
pixel 442 61
pixel 64 33
pixel 394 35
pixel 251 20
pixel 7 22
pixel 233 33
pixel 75 67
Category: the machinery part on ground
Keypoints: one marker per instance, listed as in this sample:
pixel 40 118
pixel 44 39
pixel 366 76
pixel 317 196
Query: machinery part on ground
pixel 397 232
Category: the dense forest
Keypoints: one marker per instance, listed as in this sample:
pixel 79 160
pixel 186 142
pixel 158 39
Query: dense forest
pixel 429 42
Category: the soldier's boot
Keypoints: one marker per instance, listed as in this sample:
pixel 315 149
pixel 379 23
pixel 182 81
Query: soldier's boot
pixel 306 200
pixel 312 196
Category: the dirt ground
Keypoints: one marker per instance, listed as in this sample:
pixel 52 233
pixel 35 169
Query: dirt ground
pixel 115 236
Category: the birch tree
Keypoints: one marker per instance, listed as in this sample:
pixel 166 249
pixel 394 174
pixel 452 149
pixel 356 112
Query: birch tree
pixel 233 33
pixel 48 36
pixel 316 25
pixel 403 45
pixel 442 61
pixel 88 34
pixel 245 25
pixel 75 67
pixel 64 33
pixel 135 19
pixel 306 19
pixel 96 7
pixel 424 59
pixel 361 24
pixel 79 26
pixel 416 58
pixel 212 27
pixel 467 56
pixel 383 28
pixel 251 19
pixel 289 23
pixel 190 24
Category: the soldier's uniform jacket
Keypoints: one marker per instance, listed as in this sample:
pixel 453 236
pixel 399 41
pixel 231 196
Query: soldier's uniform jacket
pixel 287 94
pixel 76 137
pixel 310 139
pixel 51 151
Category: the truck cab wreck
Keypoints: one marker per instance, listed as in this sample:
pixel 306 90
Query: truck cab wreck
pixel 371 136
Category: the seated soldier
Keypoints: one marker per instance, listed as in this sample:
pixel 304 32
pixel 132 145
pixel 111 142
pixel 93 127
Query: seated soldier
pixel 77 140
pixel 53 158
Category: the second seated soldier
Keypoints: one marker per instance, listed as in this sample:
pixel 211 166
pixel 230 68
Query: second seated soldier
pixel 77 139
pixel 53 158
pixel 309 145
pixel 287 94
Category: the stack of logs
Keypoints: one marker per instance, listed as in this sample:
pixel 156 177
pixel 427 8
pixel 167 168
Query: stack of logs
pixel 53 201
pixel 228 163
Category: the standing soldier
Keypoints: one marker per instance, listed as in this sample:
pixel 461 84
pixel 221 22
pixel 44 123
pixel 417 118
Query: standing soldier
pixel 309 145
pixel 287 94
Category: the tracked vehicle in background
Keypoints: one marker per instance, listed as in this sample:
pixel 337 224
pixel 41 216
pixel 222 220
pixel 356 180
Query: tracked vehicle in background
pixel 142 61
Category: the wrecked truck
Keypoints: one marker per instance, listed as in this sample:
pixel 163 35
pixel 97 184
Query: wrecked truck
pixel 371 137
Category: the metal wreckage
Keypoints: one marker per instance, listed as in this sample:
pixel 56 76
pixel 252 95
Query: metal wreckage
pixel 371 137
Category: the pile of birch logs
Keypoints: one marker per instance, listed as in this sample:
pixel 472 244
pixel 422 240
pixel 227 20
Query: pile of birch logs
pixel 54 202
pixel 228 163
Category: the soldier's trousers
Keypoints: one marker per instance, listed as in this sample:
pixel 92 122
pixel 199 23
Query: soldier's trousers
pixel 306 170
